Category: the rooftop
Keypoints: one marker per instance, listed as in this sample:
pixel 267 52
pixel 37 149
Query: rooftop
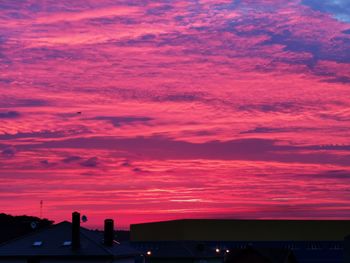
pixel 241 230
pixel 56 241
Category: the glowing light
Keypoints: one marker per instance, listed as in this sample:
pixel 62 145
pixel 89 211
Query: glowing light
pixel 149 253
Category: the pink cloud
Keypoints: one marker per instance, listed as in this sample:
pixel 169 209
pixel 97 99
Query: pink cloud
pixel 149 111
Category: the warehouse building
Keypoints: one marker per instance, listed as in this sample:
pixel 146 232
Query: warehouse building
pixel 303 241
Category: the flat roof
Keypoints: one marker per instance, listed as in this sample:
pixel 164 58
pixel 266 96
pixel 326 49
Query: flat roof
pixel 241 230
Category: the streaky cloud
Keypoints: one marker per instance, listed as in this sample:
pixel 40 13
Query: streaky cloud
pixel 9 115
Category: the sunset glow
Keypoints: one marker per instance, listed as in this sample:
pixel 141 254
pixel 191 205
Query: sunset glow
pixel 152 110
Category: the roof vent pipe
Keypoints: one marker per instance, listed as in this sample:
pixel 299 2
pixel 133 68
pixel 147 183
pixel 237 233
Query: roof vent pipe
pixel 109 232
pixel 75 230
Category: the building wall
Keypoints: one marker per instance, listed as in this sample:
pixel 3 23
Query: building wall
pixel 88 261
pixel 242 230
pixel 124 261
pixel 73 261
pixel 208 261
pixel 158 260
pixel 13 261
pixel 131 260
pixel 162 260
pixel 347 249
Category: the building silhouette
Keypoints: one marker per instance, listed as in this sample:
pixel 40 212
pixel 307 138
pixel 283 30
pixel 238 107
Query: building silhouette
pixel 68 242
pixel 187 241
pixel 303 241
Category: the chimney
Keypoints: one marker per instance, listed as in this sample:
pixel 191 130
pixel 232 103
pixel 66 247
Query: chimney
pixel 75 230
pixel 109 232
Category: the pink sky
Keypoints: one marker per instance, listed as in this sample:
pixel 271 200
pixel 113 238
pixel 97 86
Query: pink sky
pixel 189 109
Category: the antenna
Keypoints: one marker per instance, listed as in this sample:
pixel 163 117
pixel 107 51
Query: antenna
pixel 84 218
pixel 41 209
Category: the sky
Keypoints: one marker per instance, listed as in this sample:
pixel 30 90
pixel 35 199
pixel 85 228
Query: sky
pixel 154 110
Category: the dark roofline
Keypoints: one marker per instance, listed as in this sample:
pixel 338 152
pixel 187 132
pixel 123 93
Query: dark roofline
pixel 241 220
pixel 101 245
pixel 83 231
pixel 31 234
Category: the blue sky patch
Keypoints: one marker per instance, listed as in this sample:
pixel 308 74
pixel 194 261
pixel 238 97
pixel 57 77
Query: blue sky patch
pixel 340 9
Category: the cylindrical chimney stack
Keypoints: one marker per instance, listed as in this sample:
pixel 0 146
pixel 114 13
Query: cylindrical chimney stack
pixel 109 232
pixel 75 230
